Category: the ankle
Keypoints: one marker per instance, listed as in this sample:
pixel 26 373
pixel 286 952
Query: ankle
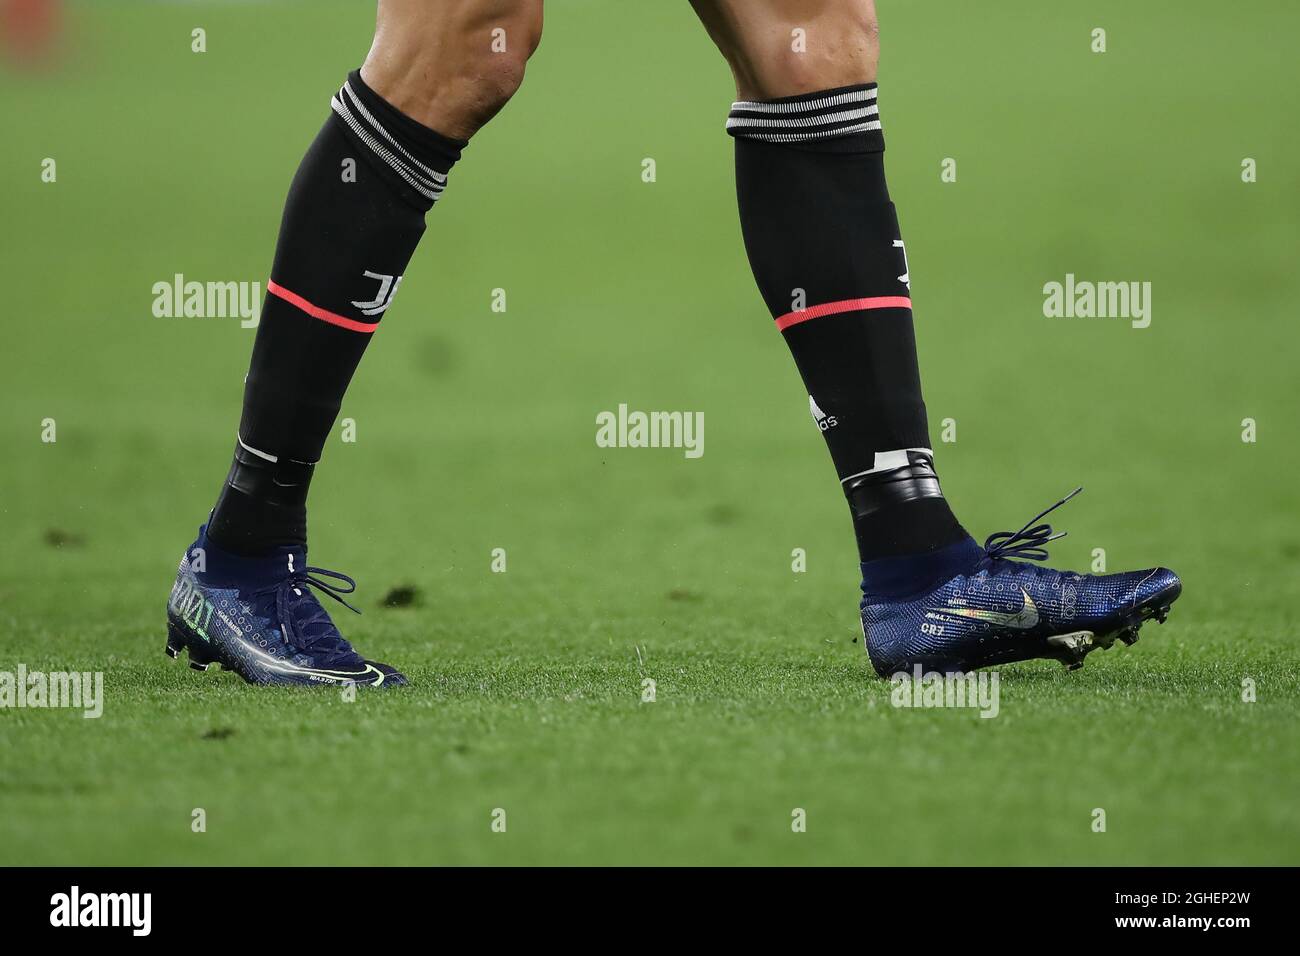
pixel 903 576
pixel 262 506
pixel 906 527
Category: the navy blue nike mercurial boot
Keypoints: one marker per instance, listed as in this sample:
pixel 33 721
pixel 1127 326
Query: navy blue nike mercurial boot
pixel 1003 610
pixel 259 618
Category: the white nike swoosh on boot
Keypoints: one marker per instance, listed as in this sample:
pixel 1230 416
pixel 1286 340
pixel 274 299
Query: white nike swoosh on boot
pixel 1020 620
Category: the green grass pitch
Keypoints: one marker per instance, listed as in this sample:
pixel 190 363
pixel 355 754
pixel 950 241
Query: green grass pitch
pixel 475 431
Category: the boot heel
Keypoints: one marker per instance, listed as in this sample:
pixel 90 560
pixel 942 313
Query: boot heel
pixel 175 641
pixel 201 657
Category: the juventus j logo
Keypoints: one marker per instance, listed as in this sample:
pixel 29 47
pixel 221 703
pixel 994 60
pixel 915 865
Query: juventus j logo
pixel 387 289
pixel 905 278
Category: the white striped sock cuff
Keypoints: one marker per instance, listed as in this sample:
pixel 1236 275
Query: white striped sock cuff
pixel 411 151
pixel 823 115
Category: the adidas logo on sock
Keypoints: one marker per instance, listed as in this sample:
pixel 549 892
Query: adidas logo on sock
pixel 823 420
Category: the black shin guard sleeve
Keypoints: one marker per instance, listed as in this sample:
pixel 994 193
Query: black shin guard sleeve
pixel 824 244
pixel 825 248
pixel 353 218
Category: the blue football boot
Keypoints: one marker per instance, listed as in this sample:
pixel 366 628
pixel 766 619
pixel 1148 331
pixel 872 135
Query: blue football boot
pixel 1003 609
pixel 259 618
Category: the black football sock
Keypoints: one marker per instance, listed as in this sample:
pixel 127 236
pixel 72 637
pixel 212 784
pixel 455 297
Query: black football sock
pixel 354 215
pixel 825 248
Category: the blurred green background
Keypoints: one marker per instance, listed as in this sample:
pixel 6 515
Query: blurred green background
pixel 475 430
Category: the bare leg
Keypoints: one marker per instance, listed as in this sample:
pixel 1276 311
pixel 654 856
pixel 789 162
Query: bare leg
pixel 838 44
pixel 454 64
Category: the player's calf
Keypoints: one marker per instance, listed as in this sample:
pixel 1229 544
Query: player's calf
pixel 452 65
pixel 780 48
pixel 823 240
pixel 355 212
pixel 827 253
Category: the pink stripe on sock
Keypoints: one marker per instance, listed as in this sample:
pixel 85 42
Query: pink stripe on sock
pixel 783 322
pixel 316 312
